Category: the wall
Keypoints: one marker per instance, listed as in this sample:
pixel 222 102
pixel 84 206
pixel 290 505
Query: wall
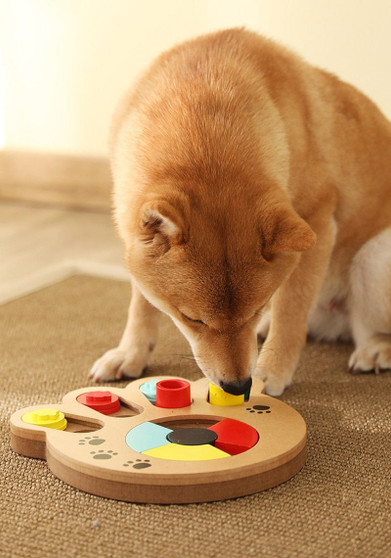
pixel 64 64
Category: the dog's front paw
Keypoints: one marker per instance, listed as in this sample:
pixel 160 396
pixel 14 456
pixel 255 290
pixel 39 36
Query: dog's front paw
pixel 117 364
pixel 374 355
pixel 274 385
pixel 275 368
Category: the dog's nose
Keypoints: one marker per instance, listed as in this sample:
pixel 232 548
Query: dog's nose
pixel 237 388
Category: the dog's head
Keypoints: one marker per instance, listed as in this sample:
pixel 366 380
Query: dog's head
pixel 213 272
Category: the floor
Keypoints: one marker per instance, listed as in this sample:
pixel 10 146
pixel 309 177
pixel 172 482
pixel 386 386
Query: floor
pixel 39 245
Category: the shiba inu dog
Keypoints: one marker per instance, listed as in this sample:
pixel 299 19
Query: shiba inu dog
pixel 253 195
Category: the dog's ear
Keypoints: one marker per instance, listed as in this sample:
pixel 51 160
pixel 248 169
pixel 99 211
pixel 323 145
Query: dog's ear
pixel 162 224
pixel 283 230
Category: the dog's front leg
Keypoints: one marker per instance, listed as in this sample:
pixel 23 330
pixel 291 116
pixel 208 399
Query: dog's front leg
pixel 290 308
pixel 129 359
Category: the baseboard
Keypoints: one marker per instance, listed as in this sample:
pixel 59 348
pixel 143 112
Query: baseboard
pixel 67 181
pixel 26 285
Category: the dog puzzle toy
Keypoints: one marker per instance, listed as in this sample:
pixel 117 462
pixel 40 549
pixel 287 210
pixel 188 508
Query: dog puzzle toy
pixel 165 440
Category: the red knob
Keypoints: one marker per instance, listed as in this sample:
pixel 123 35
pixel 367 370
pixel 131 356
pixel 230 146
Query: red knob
pixel 103 401
pixel 98 397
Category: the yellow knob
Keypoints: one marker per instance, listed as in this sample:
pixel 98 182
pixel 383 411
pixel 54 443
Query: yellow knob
pixel 45 415
pixel 50 418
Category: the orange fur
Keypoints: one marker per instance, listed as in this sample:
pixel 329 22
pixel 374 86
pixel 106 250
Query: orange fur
pixel 245 179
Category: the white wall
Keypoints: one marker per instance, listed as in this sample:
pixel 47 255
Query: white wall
pixel 64 63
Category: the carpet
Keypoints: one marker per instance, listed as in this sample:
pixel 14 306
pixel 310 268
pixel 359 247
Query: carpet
pixel 338 505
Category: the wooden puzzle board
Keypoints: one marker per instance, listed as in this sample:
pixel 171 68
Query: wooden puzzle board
pixel 94 455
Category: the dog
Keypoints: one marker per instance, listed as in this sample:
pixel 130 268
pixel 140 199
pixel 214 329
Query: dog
pixel 253 195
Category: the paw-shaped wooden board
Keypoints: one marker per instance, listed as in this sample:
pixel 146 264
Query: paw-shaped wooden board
pixel 165 440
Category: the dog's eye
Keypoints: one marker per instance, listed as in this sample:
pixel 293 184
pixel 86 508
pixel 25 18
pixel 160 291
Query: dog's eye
pixel 191 319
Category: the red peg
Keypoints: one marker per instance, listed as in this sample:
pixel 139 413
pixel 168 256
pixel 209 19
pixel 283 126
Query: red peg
pixel 173 394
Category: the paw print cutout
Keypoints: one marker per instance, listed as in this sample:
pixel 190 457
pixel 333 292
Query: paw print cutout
pixel 138 464
pixel 102 454
pixel 178 447
pixel 260 409
pixel 91 440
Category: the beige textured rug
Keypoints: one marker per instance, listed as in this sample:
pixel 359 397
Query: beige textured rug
pixel 337 506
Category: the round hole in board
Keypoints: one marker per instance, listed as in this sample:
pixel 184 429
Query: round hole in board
pixel 173 384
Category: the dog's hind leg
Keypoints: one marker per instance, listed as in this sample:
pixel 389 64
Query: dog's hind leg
pixel 370 305
pixel 130 358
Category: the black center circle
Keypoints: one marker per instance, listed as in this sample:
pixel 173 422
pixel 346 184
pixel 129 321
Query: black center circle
pixel 192 436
